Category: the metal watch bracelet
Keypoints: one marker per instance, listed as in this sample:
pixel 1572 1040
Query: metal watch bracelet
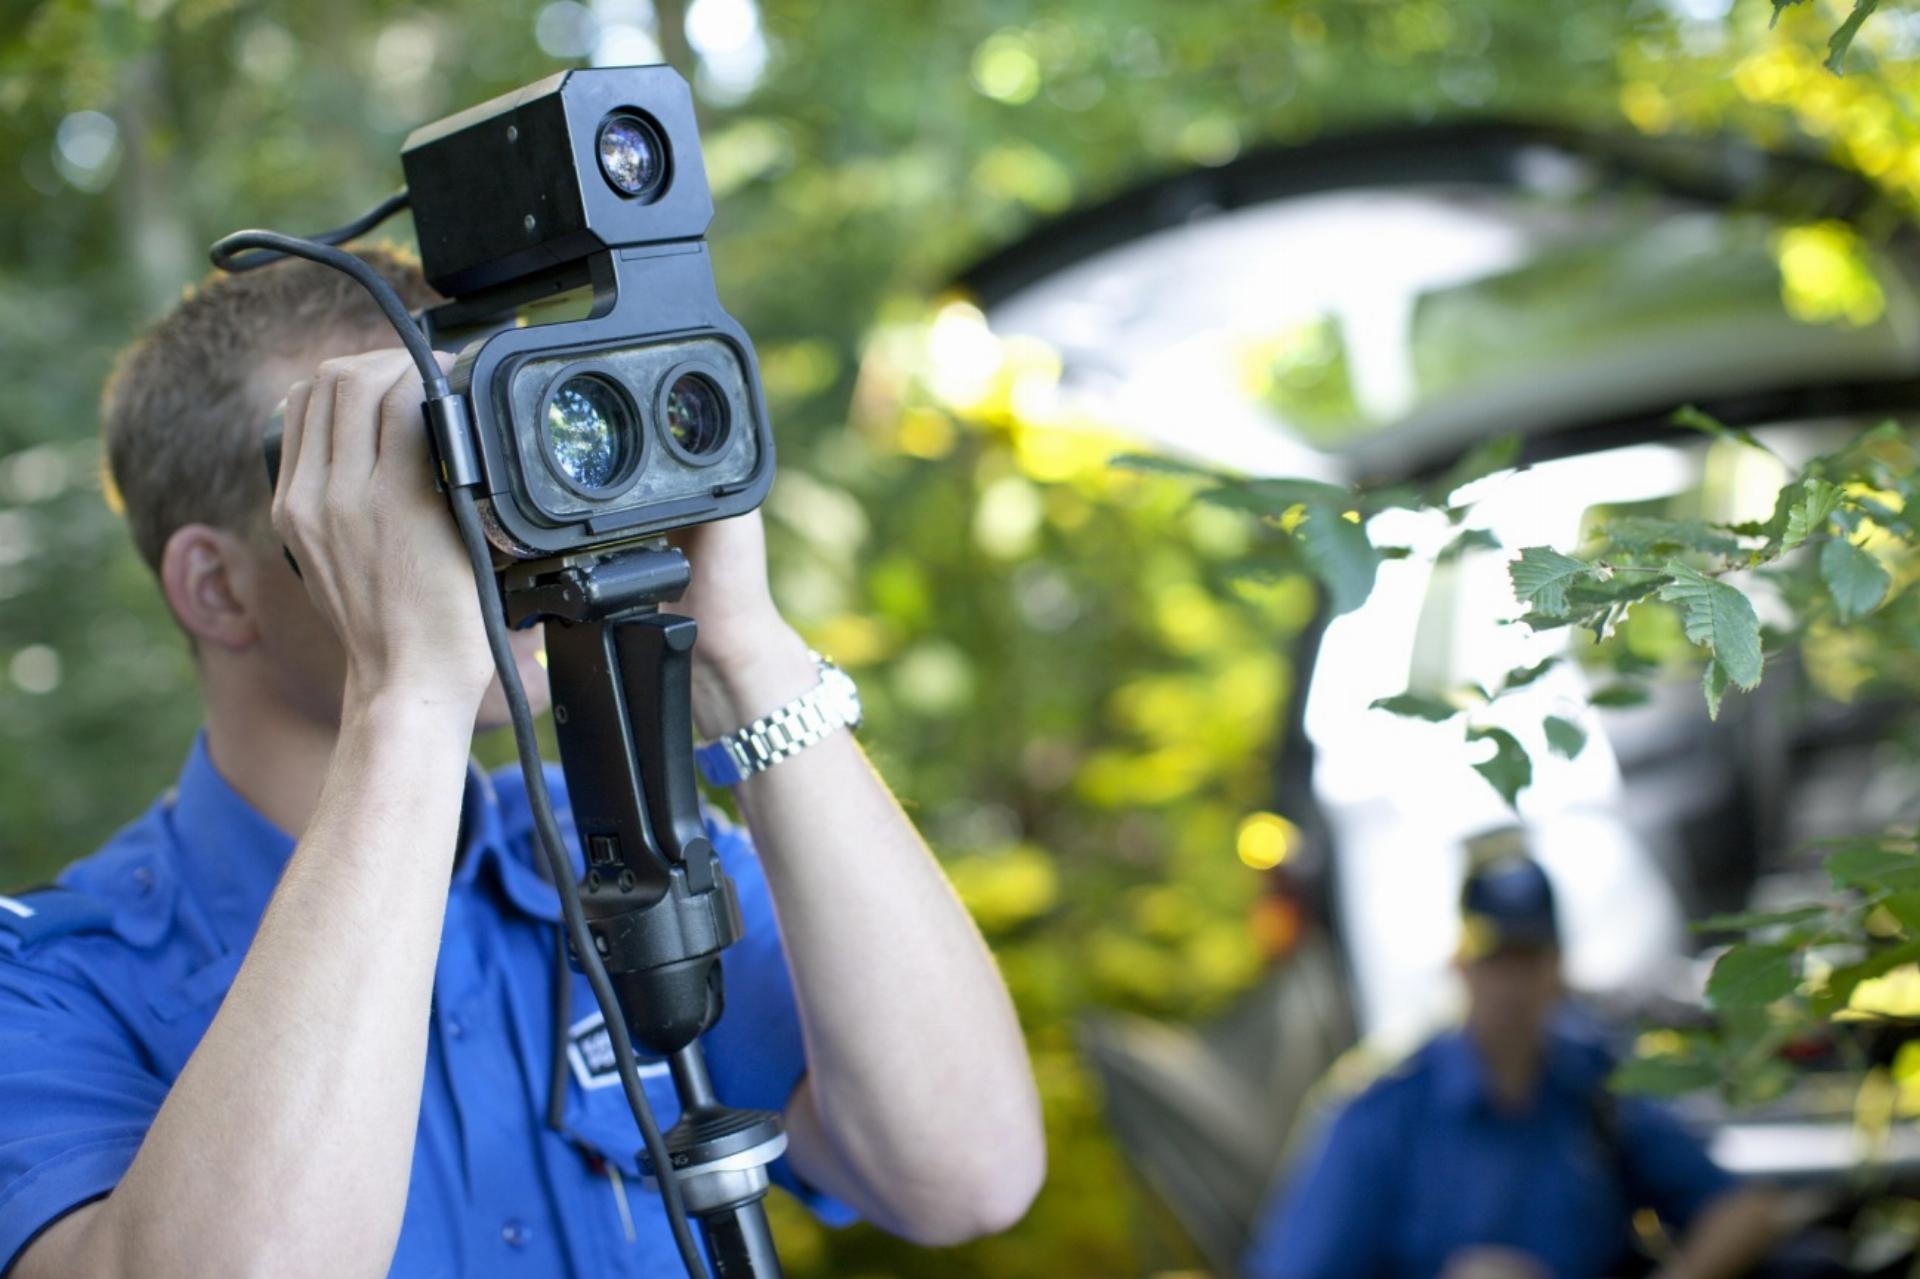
pixel 830 705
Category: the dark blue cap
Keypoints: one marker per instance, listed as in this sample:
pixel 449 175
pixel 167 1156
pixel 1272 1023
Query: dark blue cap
pixel 1508 901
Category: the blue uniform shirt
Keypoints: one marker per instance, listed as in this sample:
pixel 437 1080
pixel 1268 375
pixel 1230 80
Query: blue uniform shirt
pixel 106 989
pixel 1423 1164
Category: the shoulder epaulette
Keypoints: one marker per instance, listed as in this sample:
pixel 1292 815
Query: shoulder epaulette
pixel 41 914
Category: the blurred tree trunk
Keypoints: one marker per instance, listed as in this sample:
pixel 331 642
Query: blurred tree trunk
pixel 673 35
pixel 148 206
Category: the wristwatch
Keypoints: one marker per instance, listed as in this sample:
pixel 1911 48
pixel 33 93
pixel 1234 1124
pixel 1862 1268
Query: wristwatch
pixel 830 705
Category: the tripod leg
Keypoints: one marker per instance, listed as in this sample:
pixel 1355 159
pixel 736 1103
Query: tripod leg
pixel 741 1243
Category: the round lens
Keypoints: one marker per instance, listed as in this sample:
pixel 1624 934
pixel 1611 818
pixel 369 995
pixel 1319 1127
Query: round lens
pixel 696 415
pixel 632 156
pixel 590 433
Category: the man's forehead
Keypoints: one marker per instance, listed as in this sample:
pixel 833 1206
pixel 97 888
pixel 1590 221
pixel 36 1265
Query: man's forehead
pixel 278 372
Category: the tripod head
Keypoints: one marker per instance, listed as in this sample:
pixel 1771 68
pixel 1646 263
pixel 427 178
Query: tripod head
pixel 659 906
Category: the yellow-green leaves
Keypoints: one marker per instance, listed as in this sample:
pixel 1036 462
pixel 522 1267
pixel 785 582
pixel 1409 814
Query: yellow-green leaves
pixel 1337 550
pixel 1564 737
pixel 1721 618
pixel 1854 577
pixel 1809 514
pixel 1750 976
pixel 1508 770
pixel 1542 575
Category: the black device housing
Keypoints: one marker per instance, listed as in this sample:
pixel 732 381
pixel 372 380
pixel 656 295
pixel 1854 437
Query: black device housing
pixel 512 210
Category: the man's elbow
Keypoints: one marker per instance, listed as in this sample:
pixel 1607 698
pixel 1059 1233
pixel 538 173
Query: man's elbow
pixel 988 1195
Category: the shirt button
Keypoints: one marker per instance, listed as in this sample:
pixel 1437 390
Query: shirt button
pixel 515 1233
pixel 143 879
pixel 456 1027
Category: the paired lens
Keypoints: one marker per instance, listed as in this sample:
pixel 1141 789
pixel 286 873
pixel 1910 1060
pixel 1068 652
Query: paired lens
pixel 633 156
pixel 591 433
pixel 594 433
pixel 696 415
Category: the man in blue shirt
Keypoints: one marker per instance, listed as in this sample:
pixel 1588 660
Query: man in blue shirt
pixel 297 1019
pixel 1497 1151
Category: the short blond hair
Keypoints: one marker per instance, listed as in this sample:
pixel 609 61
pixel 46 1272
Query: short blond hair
pixel 183 409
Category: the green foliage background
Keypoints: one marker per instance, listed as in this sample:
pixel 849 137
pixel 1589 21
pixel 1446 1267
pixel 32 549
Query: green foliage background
pixel 1066 683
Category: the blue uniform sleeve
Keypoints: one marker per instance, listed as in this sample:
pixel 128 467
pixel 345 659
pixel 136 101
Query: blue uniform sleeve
pixel 75 1102
pixel 755 1054
pixel 1325 1224
pixel 1670 1167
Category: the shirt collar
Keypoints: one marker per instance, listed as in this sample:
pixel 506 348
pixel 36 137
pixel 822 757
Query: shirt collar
pixel 497 832
pixel 231 857
pixel 1571 1071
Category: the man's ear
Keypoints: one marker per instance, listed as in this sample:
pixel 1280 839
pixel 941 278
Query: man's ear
pixel 207 575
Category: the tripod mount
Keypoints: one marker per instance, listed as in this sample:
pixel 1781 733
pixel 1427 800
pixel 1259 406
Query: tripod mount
pixel 659 906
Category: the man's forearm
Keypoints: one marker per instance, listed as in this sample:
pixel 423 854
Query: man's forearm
pixel 1734 1233
pixel 919 1107
pixel 286 1145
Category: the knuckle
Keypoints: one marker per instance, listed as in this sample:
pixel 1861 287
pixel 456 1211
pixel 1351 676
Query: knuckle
pixel 402 397
pixel 298 527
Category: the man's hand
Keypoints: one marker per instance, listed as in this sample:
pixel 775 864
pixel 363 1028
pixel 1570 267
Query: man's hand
pixel 748 660
pixel 377 548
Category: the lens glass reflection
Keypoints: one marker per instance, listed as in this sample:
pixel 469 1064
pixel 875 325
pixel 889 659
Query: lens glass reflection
pixel 696 414
pixel 590 432
pixel 632 156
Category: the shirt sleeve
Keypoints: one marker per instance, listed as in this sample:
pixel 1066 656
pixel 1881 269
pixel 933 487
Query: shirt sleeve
pixel 75 1102
pixel 1671 1169
pixel 1325 1224
pixel 755 1053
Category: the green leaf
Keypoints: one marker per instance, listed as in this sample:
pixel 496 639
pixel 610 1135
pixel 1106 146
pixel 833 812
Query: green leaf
pixel 1748 976
pixel 1469 540
pixel 1904 907
pixel 1565 737
pixel 1780 7
pixel 1617 696
pixel 1720 617
pixel 1646 535
pixel 1510 770
pixel 1809 513
pixel 1747 921
pixel 1622 588
pixel 1842 39
pixel 1667 1075
pixel 1155 464
pixel 1337 550
pixel 1521 676
pixel 1284 493
pixel 1542 575
pixel 1694 419
pixel 1714 684
pixel 1854 576
pixel 1416 706
pixel 1489 457
pixel 1874 866
pixel 1274 498
pixel 1281 494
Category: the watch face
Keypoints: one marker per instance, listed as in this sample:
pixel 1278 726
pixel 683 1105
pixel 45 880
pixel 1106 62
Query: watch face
pixel 849 694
